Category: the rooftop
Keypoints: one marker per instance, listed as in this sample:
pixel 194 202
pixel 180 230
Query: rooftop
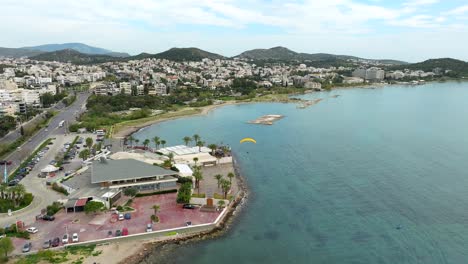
pixel 125 169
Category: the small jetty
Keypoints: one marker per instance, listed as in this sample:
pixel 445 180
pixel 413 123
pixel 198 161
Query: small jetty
pixel 308 103
pixel 266 119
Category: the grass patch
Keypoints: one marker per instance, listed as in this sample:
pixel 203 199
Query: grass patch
pixel 220 196
pixel 196 195
pixel 173 233
pixel 155 193
pixel 22 165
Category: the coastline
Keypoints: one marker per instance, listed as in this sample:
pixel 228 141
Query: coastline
pixel 160 248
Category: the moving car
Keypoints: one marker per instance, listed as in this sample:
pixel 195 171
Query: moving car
pixel 65 239
pixel 48 217
pixel 149 228
pixel 47 244
pixel 56 242
pixel 27 247
pixel 189 206
pixel 75 237
pixel 32 230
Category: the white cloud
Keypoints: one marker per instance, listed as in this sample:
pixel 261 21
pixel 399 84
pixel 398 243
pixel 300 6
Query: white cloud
pixel 458 11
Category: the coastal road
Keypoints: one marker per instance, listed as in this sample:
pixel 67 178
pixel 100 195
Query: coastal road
pixel 68 114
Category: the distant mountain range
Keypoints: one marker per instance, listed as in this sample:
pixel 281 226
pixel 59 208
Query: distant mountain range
pixel 80 47
pixel 36 50
pixel 285 54
pixel 73 56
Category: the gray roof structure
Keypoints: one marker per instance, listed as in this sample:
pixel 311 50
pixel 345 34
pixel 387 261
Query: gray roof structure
pixel 125 169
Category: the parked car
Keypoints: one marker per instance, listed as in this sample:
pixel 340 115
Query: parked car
pixel 124 231
pixel 47 244
pixel 188 223
pixel 128 216
pixel 118 233
pixel 27 247
pixel 7 162
pixel 189 206
pixel 48 217
pixel 32 230
pixel 75 237
pixel 149 228
pixel 56 242
pixel 13 182
pixel 65 239
pixel 121 217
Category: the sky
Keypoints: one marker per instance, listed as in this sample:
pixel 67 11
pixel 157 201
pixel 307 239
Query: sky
pixel 410 30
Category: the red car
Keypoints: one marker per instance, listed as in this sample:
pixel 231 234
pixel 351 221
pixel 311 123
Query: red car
pixel 124 231
pixel 7 162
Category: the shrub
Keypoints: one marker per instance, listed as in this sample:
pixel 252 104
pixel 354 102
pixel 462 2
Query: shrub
pixel 130 191
pixel 59 189
pixel 183 180
pixel 119 208
pixel 27 199
pixel 54 208
pixel 155 193
pixel 155 218
pixel 184 193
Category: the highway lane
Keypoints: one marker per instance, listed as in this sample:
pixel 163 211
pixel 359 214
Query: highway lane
pixel 68 114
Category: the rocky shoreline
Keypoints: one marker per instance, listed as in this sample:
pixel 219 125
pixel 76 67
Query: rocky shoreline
pixel 158 252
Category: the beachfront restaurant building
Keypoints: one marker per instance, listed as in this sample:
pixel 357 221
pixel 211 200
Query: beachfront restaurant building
pixel 125 173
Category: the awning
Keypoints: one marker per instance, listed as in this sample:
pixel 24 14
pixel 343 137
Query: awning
pixel 49 168
pixel 81 202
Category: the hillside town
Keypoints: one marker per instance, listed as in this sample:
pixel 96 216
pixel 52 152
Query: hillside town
pixel 23 81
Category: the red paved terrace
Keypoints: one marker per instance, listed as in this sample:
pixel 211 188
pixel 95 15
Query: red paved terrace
pixel 97 226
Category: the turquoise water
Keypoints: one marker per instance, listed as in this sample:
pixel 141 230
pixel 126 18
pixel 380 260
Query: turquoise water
pixel 331 183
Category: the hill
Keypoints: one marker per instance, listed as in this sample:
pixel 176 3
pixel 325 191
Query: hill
pixel 285 54
pixel 80 47
pixel 186 54
pixel 18 53
pixel 73 56
pixel 431 64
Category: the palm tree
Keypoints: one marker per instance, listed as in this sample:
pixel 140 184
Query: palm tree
pixel 218 178
pixel 146 143
pixel 230 176
pixel 155 208
pixel 200 144
pixel 196 138
pixel 198 177
pixel 3 188
pixel 187 140
pixel 131 139
pixel 213 147
pixel 170 156
pixel 163 142
pixel 84 154
pixel 156 141
pixel 20 190
pixel 136 141
pixel 195 160
pixel 225 186
pixel 89 142
pixel 221 203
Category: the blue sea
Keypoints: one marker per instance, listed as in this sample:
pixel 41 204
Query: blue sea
pixel 372 176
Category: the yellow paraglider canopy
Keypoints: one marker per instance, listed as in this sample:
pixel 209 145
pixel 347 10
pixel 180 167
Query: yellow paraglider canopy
pixel 248 140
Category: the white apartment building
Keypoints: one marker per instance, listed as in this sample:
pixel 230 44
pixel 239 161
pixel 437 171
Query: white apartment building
pixel 126 86
pixel 140 89
pixel 30 97
pixel 158 89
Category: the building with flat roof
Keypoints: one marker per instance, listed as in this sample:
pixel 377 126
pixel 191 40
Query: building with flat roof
pixel 124 173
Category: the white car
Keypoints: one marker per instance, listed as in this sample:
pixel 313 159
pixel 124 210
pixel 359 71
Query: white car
pixel 32 230
pixel 65 239
pixel 75 237
pixel 121 217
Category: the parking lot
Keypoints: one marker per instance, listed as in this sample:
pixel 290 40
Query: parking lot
pixel 99 226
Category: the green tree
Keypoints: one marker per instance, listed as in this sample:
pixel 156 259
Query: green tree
pixel 89 142
pixel 225 186
pixel 163 142
pixel 230 176
pixel 196 138
pixel 22 131
pixel 84 154
pixel 130 191
pixel 156 141
pixel 198 177
pixel 184 193
pixel 146 143
pixel 218 178
pixel 213 147
pixel 221 203
pixel 171 157
pixel 200 144
pixel 6 246
pixel 187 140
pixel 195 160
pixel 137 141
pixel 93 207
pixel 156 208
